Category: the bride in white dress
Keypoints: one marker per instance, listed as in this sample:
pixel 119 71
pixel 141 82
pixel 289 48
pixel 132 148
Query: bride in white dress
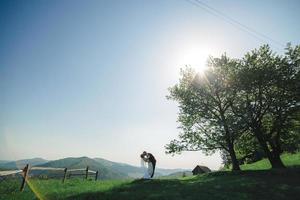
pixel 149 170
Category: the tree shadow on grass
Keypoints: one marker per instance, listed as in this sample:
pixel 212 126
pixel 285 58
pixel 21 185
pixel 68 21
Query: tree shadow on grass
pixel 138 189
pixel 269 184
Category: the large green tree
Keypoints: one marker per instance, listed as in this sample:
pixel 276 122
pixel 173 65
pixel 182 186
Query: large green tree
pixel 267 91
pixel 206 119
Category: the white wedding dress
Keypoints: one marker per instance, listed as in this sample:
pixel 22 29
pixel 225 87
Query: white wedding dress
pixel 147 171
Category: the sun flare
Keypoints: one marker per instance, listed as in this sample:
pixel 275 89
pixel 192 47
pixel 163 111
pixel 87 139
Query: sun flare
pixel 195 58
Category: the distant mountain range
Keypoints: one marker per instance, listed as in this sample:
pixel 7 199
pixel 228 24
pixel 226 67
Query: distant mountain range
pixel 107 169
pixel 19 164
pixel 179 174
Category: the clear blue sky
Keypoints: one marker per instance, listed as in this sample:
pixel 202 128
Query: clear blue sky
pixel 89 78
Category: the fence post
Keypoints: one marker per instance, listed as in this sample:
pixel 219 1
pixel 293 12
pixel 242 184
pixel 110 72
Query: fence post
pixel 96 176
pixel 25 174
pixel 86 172
pixel 65 175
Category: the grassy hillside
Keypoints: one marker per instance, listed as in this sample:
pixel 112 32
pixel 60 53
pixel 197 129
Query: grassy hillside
pixel 254 183
pixel 290 160
pixel 261 184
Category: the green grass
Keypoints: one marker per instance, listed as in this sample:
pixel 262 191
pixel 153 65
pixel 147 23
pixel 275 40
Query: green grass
pixel 53 188
pixel 261 184
pixel 9 189
pixel 290 160
pixel 257 183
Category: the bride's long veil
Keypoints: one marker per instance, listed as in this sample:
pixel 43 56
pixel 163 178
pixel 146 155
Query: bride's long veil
pixel 143 164
pixel 144 168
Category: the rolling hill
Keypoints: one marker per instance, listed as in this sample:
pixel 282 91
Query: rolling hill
pixel 83 162
pixel 19 164
pixel 175 175
pixel 108 169
pixel 134 171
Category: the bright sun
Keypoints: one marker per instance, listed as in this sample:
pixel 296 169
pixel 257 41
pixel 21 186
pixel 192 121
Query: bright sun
pixel 196 58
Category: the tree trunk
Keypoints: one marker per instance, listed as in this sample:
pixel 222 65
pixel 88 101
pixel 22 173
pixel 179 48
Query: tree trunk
pixel 276 151
pixel 235 163
pixel 276 160
pixel 273 156
pixel 229 140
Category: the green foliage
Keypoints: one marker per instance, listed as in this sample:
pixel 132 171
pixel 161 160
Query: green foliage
pixel 206 120
pixel 248 149
pixel 246 108
pixel 268 88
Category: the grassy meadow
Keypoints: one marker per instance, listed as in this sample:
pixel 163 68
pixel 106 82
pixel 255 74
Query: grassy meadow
pixel 290 160
pixel 256 181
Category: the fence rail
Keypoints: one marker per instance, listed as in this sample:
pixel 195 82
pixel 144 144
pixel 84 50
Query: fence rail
pixel 47 168
pixel 24 173
pixel 10 172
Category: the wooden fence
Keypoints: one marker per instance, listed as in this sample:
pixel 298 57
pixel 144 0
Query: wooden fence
pixel 24 173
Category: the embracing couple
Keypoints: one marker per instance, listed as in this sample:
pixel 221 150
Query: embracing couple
pixel 148 158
